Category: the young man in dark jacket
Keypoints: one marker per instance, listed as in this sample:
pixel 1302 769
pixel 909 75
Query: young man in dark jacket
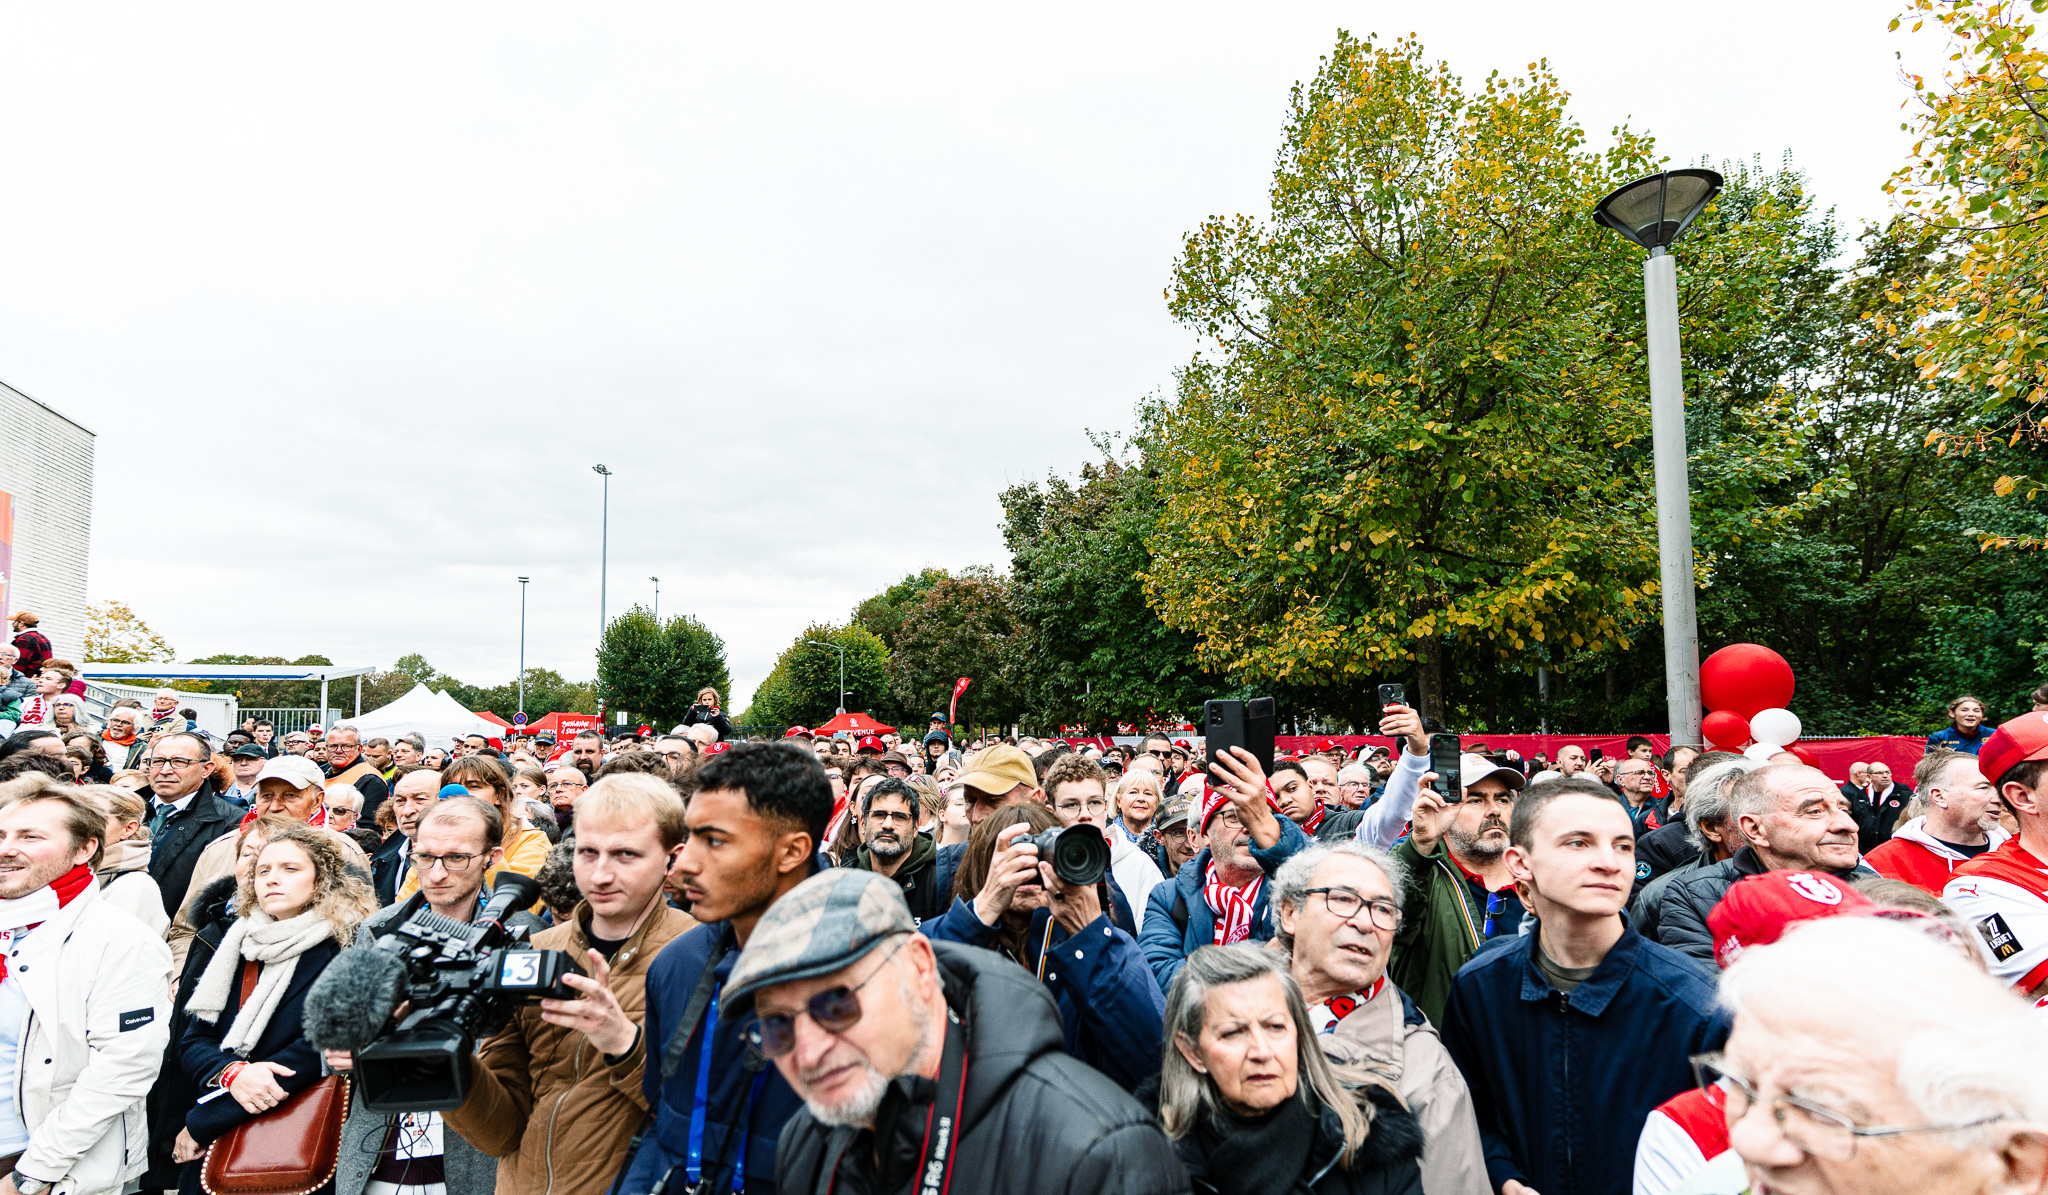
pixel 1569 1036
pixel 756 824
pixel 886 1034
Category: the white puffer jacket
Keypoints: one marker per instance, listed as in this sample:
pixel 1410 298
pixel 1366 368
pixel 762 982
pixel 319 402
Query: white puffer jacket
pixel 99 996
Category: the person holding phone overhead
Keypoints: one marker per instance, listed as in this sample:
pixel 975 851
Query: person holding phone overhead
pixel 1458 892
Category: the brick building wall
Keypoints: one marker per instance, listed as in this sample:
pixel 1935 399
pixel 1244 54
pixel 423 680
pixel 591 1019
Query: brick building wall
pixel 46 468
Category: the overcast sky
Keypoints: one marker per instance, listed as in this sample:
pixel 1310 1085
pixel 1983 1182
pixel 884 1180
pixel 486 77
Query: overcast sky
pixel 367 290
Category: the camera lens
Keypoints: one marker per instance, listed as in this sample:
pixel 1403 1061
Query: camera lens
pixel 1079 855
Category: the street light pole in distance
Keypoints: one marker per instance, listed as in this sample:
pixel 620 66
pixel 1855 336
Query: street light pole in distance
pixel 1654 212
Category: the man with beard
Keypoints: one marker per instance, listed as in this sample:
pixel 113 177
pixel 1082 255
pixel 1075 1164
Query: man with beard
pixel 1458 892
pixel 926 1065
pixel 1961 823
pixel 891 846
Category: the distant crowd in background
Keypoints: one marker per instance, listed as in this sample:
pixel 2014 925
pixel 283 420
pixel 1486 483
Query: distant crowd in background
pixel 1133 968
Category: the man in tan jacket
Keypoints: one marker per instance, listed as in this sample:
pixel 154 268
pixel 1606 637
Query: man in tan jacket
pixel 1339 906
pixel 556 1095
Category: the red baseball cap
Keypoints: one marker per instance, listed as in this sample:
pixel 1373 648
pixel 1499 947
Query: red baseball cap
pixel 2023 738
pixel 870 743
pixel 715 748
pixel 1328 745
pixel 1214 799
pixel 797 732
pixel 1183 743
pixel 1759 909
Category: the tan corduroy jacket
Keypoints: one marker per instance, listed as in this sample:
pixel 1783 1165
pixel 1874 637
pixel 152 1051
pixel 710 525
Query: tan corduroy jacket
pixel 543 1100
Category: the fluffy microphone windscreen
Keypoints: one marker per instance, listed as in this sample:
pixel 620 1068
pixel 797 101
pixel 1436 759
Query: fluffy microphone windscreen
pixel 351 1001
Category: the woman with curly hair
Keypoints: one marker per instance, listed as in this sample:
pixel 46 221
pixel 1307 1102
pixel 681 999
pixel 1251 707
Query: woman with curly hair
pixel 96 769
pixel 299 906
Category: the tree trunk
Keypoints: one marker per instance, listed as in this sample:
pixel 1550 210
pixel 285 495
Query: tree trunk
pixel 1429 677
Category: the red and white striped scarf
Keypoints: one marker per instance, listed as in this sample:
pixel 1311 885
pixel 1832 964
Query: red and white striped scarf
pixel 1315 819
pixel 1232 907
pixel 24 913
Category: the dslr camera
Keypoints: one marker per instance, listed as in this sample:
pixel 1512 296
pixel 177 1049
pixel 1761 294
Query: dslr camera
pixel 465 980
pixel 1078 854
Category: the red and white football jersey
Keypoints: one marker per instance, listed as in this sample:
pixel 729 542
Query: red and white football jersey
pixel 2004 895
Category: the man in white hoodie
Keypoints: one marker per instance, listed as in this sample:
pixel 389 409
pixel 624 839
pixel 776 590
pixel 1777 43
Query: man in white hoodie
pixel 85 1003
pixel 1959 825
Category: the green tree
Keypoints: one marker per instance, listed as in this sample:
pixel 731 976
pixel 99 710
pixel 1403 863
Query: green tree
pixel 655 669
pixel 883 613
pixel 1423 426
pixel 803 687
pixel 114 634
pixel 1977 180
pixel 1096 654
pixel 965 625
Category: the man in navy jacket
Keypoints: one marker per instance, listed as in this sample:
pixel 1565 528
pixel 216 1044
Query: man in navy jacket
pixel 755 826
pixel 1569 1036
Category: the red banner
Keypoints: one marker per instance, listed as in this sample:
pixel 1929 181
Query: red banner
pixel 6 550
pixel 953 706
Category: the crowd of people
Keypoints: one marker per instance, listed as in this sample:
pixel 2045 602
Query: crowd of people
pixel 874 965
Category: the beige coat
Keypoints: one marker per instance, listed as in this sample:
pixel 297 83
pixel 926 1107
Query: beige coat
pixel 543 1100
pixel 1382 1036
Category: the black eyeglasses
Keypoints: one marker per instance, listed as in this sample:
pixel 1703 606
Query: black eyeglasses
pixel 1345 904
pixel 835 1010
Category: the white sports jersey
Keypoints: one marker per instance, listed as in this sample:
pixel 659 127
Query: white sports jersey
pixel 2003 894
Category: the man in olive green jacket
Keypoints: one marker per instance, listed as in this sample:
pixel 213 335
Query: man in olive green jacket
pixel 1458 893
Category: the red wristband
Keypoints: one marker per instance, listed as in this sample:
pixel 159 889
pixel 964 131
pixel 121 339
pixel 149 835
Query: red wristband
pixel 227 1077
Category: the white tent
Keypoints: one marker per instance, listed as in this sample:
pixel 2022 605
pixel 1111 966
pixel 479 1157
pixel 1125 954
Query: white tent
pixel 437 717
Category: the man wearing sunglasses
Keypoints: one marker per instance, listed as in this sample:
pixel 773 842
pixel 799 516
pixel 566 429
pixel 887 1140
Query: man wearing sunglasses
pixel 847 998
pixel 756 825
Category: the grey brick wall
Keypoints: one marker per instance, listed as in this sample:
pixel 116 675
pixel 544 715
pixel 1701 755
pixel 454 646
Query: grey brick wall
pixel 46 464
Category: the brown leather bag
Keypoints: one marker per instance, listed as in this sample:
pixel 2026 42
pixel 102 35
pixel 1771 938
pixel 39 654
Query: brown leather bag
pixel 290 1150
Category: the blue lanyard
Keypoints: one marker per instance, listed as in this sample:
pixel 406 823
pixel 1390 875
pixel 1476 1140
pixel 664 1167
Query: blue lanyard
pixel 694 1167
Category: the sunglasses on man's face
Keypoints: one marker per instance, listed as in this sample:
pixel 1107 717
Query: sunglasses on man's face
pixel 835 1010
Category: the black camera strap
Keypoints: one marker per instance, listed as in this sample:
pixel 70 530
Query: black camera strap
pixel 941 1130
pixel 693 1012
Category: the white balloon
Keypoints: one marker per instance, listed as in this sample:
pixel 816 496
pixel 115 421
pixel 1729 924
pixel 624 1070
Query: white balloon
pixel 1778 727
pixel 1761 752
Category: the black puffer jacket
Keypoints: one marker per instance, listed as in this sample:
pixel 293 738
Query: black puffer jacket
pixel 1035 1120
pixel 1388 1161
pixel 174 1093
pixel 1682 918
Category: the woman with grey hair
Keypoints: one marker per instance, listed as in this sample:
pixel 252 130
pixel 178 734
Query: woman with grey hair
pixel 1251 1104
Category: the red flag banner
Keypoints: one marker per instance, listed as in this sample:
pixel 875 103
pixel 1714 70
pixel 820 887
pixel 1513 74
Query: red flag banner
pixel 953 707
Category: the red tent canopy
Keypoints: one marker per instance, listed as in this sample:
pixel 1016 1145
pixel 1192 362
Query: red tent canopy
pixel 855 724
pixel 562 726
pixel 488 716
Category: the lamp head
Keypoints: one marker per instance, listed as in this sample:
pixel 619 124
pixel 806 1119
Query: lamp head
pixel 601 469
pixel 1655 211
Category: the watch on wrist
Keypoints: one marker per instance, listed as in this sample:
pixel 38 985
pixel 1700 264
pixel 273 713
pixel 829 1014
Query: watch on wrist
pixel 28 1186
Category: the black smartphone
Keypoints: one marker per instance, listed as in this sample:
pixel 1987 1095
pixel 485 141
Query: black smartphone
pixel 1261 720
pixel 1445 759
pixel 1594 755
pixel 1249 725
pixel 1223 727
pixel 1393 695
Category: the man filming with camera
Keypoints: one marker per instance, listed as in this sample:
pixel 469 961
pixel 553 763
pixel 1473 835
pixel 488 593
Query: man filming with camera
pixel 555 1095
pixel 453 845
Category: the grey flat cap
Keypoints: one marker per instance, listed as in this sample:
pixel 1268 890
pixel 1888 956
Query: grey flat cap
pixel 825 924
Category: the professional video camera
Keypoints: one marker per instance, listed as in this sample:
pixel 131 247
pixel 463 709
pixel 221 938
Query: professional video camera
pixel 464 982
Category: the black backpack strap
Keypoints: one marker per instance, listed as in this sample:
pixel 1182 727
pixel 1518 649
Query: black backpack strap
pixel 1180 909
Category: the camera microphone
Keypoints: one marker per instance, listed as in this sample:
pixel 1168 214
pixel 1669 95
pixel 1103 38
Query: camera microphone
pixel 349 1005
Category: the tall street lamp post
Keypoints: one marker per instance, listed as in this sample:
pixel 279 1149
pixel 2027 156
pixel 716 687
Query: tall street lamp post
pixel 657 601
pixel 842 669
pixel 603 549
pixel 1654 212
pixel 522 645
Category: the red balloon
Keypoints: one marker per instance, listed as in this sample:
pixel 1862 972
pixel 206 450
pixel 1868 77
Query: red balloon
pixel 1805 756
pixel 1725 730
pixel 1744 678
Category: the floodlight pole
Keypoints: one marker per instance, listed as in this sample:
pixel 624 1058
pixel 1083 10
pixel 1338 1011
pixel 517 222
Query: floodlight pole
pixel 1674 497
pixel 522 645
pixel 657 602
pixel 604 537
